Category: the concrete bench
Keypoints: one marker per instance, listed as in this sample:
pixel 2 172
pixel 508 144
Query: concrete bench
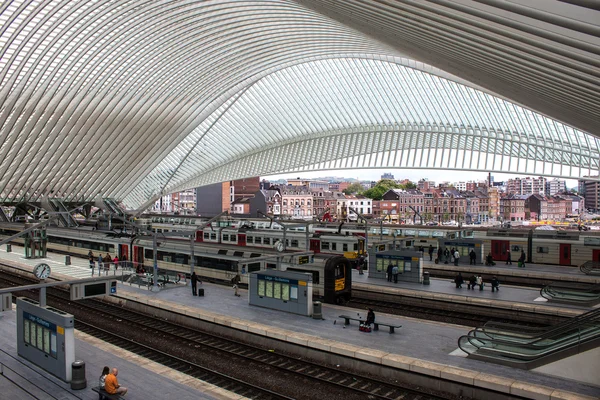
pixel 348 318
pixel 104 395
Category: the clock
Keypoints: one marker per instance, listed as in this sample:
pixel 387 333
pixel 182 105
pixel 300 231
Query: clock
pixel 279 246
pixel 42 271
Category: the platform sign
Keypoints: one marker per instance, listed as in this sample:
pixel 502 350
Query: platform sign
pixel 45 336
pixel 81 291
pixel 303 259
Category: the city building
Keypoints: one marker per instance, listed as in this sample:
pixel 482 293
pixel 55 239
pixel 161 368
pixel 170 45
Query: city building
pixel 311 184
pixel 590 190
pixel 555 186
pixel 526 185
pixel 387 175
pixel 407 204
pixel 213 199
pixel 241 207
pixel 245 187
pixel 266 202
pixel 425 184
pixel 296 202
pixel 347 203
pixel 512 207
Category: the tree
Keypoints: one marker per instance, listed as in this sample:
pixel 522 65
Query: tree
pixel 353 188
pixel 377 191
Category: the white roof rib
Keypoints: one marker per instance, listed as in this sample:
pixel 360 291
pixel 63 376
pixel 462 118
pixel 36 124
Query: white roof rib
pixel 133 99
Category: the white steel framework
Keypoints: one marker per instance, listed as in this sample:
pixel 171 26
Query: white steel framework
pixel 134 99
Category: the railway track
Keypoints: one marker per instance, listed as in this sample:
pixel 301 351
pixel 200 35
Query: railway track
pixel 268 375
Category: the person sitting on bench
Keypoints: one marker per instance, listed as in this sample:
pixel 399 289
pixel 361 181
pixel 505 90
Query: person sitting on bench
pixel 370 317
pixel 102 379
pixel 111 384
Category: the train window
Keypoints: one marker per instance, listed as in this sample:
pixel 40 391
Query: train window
pixel 355 246
pixel 324 245
pixel 516 248
pixel 542 250
pixel 233 238
pixel 249 239
pixel 258 240
pixel 213 236
pixel 206 235
pixel 159 231
pixel 345 247
pixel 295 243
pixel 225 237
pixel 268 240
pixel 333 246
pixel 339 272
pixel 238 254
pixel 181 258
pixel 287 242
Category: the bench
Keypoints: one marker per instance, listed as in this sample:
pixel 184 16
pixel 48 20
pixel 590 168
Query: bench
pixel 104 395
pixel 348 318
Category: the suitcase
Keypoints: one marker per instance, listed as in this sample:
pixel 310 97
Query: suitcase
pixel 200 292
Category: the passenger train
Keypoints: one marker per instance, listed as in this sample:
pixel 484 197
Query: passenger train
pixel 218 262
pixel 560 247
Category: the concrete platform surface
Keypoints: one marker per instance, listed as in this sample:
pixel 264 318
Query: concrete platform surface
pixel 145 380
pixel 426 347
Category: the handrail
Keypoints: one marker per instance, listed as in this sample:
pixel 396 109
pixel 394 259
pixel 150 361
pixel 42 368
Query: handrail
pixel 590 267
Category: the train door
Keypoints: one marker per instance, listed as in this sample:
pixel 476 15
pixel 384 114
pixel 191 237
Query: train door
pixel 499 249
pixel 123 250
pixel 241 237
pixel 564 257
pixel 315 245
pixel 596 255
pixel 138 254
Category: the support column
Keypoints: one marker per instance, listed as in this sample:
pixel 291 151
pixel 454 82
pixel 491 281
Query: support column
pixel 155 287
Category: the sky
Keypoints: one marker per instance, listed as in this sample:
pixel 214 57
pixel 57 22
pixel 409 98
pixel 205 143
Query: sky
pixel 399 174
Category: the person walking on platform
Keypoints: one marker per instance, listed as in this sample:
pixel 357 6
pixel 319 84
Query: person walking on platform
pixel 235 290
pixel 456 257
pixel 361 265
pixel 194 280
pixel 446 255
pixel 522 259
pixel 440 253
pixel 100 264
pixel 495 284
pixel 472 257
pixel 430 253
pixel 91 259
pixel 489 260
pixel 508 259
pixel 111 384
pixel 459 281
pixel 395 273
pixel 472 282
pixel 479 282
pixel 390 272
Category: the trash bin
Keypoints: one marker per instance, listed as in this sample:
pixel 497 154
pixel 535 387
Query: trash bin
pixel 78 375
pixel 67 260
pixel 200 292
pixel 9 248
pixel 317 310
pixel 426 278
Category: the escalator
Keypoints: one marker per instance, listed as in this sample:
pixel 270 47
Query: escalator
pixel 113 207
pixel 527 348
pixel 65 215
pixel 573 293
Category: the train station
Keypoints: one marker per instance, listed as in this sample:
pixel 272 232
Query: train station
pixel 113 287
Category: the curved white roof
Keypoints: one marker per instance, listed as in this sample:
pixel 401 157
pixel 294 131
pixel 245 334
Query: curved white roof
pixel 133 99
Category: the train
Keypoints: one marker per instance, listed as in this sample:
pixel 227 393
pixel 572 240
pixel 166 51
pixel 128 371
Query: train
pixel 213 262
pixel 554 247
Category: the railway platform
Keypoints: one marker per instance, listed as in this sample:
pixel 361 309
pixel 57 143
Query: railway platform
pixel 513 297
pixel 20 379
pixel 426 348
pixel 538 271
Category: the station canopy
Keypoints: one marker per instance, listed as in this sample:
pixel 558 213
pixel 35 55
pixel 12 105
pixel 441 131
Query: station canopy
pixel 131 100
